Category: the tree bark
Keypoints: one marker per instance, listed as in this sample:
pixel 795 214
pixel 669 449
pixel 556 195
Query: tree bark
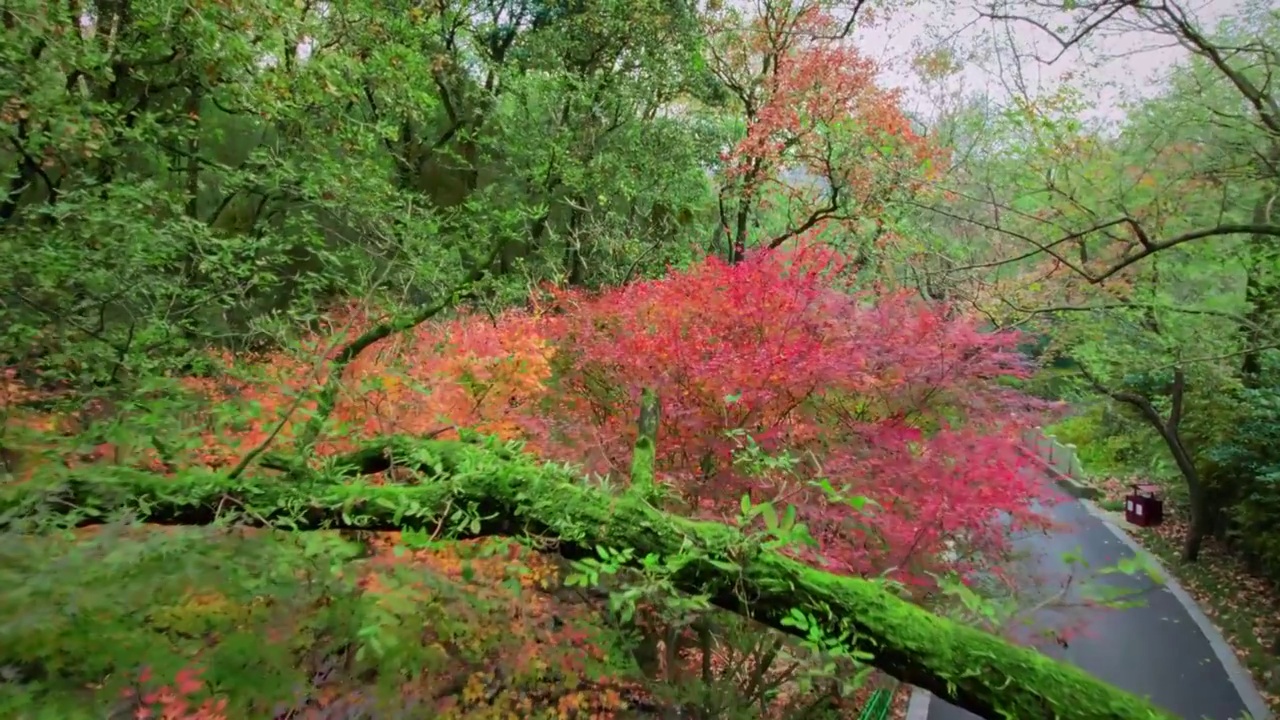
pixel 1169 429
pixel 515 495
pixel 644 459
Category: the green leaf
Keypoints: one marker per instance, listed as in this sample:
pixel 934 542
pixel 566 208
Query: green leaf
pixel 770 516
pixel 858 502
pixel 796 618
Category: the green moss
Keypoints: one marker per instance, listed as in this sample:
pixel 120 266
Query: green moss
pixel 501 491
pixel 644 457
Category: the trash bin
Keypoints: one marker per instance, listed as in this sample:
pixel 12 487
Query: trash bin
pixel 1143 507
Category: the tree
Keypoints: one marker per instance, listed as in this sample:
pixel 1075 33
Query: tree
pixel 879 393
pixel 1100 246
pixel 1237 109
pixel 815 141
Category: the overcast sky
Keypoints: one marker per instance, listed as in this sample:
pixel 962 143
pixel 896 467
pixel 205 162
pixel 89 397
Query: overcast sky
pixel 1138 59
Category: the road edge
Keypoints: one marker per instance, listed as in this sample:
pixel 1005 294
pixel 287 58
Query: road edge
pixel 1241 679
pixel 1065 482
pixel 918 704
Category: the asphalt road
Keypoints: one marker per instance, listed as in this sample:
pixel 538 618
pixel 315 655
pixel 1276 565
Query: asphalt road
pixel 1155 650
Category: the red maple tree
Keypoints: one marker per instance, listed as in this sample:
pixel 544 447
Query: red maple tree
pixel 895 399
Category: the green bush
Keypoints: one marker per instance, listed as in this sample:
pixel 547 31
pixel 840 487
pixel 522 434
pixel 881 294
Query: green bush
pixel 1243 473
pixel 1108 443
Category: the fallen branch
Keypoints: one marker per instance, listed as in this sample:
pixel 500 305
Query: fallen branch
pixel 512 494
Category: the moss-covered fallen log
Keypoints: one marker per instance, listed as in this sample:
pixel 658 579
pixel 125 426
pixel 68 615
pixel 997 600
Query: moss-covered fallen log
pixel 510 493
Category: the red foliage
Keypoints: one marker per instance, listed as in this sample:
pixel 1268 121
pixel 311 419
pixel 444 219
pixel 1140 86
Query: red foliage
pixel 173 701
pixel 890 396
pixel 893 398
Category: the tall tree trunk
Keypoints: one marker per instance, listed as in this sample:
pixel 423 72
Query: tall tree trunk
pixel 407 159
pixel 1168 428
pixel 1201 522
pixel 192 185
pixel 738 248
pixel 1262 292
pixel 746 206
pixel 575 267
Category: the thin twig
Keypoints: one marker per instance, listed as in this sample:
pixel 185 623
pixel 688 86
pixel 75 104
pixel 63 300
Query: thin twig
pixel 435 534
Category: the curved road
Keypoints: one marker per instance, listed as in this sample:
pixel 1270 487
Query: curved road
pixel 1158 649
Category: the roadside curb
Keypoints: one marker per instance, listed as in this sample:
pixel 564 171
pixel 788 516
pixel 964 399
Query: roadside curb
pixel 1226 656
pixel 918 705
pixel 1239 677
pixel 1069 485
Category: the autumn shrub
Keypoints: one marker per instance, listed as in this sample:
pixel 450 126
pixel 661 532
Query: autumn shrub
pixel 471 371
pixel 465 372
pixel 884 396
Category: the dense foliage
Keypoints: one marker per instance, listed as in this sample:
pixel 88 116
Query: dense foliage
pixel 1143 252
pixel 243 240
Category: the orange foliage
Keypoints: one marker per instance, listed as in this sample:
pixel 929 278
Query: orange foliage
pixel 466 372
pixel 524 652
pixel 172 701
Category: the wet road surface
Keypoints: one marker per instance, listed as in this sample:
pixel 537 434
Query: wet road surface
pixel 1155 650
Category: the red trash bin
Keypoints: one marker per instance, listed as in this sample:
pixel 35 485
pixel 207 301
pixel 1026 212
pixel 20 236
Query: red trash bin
pixel 1143 507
